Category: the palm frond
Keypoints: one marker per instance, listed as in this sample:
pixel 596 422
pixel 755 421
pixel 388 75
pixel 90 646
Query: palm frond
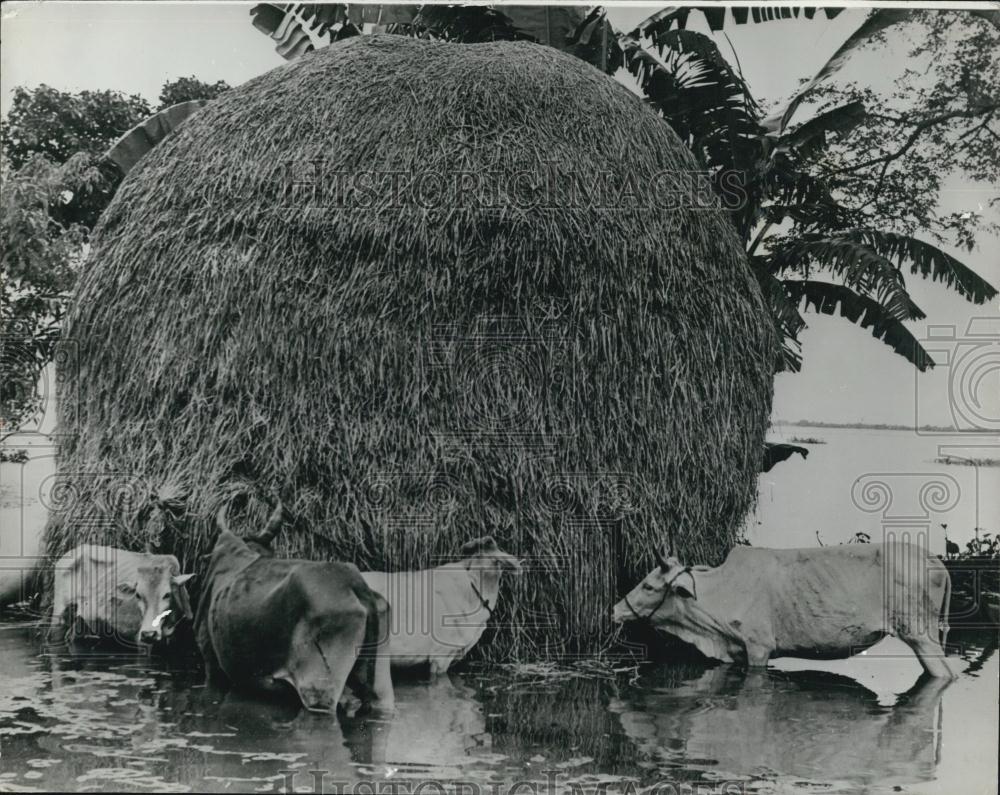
pixel 866 312
pixel 876 22
pixel 810 137
pixel 797 194
pixel 784 312
pixel 706 102
pixel 859 266
pixel 928 261
pixel 671 16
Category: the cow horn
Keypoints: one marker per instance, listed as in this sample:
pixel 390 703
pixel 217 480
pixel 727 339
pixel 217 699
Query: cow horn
pixel 661 561
pixel 279 516
pixel 220 518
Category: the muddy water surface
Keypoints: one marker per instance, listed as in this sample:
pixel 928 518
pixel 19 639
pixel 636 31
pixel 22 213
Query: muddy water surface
pixel 128 721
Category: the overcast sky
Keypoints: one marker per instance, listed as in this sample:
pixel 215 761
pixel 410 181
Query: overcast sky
pixel 136 47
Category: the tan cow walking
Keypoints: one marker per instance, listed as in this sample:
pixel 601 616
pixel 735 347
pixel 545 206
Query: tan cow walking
pixel 817 603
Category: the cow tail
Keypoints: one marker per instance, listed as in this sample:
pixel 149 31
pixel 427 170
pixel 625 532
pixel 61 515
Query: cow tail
pixel 943 625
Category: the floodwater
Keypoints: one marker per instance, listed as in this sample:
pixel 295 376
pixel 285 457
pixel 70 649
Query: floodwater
pixel 880 482
pixel 142 723
pixel 867 724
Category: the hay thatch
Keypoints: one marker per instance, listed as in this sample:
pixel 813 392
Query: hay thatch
pixel 573 380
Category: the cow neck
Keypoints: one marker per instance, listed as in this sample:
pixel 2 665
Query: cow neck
pixel 237 554
pixel 482 600
pixel 697 623
pixel 485 586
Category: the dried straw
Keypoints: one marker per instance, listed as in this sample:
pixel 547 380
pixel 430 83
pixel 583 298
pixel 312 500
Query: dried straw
pixel 224 333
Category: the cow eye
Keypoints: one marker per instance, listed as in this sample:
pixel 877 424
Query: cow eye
pixel 647 587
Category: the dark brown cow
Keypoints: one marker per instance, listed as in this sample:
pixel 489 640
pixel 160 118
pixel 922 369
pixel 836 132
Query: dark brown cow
pixel 265 623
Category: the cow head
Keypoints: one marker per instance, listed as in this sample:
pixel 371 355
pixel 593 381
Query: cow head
pixel 483 554
pixel 661 591
pixel 159 590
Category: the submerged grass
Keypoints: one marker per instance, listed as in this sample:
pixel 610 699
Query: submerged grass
pixel 579 382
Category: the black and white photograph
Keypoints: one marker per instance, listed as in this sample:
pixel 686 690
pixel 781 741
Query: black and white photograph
pixel 467 399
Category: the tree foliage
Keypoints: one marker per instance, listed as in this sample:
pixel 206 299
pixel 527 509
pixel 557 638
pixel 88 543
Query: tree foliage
pixel 940 116
pixel 845 192
pixel 58 124
pixel 55 184
pixel 46 211
pixel 185 89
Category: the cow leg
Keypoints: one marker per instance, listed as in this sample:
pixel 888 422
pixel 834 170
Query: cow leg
pixel 931 656
pixel 383 654
pixel 370 678
pixel 758 655
pixel 321 658
pixel 214 675
pixel 943 613
pixel 58 630
pixel 439 665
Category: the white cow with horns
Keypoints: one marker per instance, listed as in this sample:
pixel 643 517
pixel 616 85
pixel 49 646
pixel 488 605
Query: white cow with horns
pixel 823 603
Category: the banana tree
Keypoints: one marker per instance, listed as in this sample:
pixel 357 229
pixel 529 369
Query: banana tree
pixel 792 224
pixel 298 28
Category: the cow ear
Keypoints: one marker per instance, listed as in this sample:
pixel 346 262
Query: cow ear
pixel 180 579
pixel 182 602
pixel 682 589
pixel 510 563
pixel 478 546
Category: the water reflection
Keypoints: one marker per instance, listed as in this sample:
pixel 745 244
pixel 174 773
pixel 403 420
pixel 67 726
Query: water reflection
pixel 129 721
pixel 811 726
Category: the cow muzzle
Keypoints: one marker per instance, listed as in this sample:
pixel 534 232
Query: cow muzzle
pixel 150 637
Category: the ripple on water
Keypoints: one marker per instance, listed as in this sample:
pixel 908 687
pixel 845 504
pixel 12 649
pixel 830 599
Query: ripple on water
pixel 129 722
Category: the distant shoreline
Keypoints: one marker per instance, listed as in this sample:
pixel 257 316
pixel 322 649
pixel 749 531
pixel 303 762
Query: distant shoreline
pixel 866 426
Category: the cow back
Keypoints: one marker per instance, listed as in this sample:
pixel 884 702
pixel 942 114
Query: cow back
pixel 829 599
pixel 253 605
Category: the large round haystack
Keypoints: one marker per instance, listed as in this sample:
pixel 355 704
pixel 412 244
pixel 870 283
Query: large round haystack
pixel 458 345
